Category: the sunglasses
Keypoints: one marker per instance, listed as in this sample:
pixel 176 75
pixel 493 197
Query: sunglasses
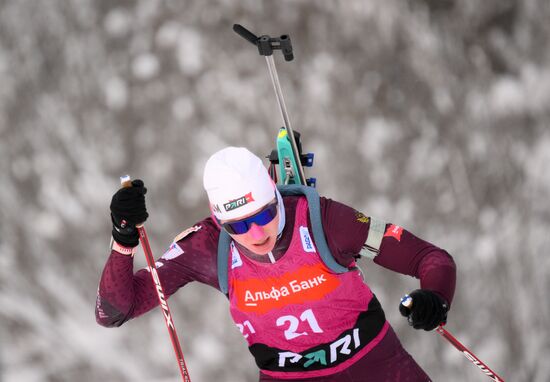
pixel 261 218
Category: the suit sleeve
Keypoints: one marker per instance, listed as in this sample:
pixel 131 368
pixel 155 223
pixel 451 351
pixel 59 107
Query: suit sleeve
pixel 347 231
pixel 403 252
pixel 123 294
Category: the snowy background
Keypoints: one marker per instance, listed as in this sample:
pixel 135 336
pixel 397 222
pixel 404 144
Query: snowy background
pixel 432 114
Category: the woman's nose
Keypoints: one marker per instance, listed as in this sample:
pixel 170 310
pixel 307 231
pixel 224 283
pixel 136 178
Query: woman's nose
pixel 256 231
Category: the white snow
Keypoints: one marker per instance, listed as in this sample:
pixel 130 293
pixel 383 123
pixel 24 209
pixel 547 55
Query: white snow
pixel 145 66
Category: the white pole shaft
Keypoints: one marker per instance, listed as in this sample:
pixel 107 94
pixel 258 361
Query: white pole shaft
pixel 286 120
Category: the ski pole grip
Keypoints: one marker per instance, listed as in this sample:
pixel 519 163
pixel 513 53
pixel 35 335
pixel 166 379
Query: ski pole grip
pixel 407 301
pixel 125 182
pixel 245 33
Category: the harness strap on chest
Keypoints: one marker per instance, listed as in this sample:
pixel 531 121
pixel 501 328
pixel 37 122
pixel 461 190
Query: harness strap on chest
pixel 314 205
pixel 223 251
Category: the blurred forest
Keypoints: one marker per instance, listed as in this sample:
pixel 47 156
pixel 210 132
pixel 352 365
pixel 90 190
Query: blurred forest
pixel 431 114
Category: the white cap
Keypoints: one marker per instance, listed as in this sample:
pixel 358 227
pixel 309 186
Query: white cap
pixel 237 183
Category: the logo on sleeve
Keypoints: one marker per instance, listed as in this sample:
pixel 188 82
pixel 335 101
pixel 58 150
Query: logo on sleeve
pixel 394 231
pixel 172 252
pixel 307 243
pixel 361 218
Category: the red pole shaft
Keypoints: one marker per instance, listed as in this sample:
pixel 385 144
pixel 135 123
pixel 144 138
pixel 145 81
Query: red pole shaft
pixel 163 303
pixel 468 354
pixel 144 240
pixel 407 302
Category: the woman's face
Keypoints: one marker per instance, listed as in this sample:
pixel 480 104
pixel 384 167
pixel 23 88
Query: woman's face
pixel 259 239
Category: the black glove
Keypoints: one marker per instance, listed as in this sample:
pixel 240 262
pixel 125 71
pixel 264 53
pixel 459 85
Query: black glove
pixel 127 210
pixel 427 310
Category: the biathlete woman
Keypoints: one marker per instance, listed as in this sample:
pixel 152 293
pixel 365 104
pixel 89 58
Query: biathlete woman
pixel 286 260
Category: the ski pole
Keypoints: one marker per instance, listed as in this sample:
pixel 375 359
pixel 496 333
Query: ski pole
pixel 126 182
pixel 468 354
pixel 266 45
pixel 407 302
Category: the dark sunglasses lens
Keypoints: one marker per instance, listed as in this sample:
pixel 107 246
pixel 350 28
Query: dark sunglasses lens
pixel 236 228
pixel 261 218
pixel 265 216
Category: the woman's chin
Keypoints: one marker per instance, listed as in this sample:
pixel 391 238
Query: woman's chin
pixel 262 248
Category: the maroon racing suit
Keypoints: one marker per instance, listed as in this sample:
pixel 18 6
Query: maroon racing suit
pixel 123 295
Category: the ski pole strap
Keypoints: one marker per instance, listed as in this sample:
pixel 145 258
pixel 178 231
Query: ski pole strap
pixel 371 248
